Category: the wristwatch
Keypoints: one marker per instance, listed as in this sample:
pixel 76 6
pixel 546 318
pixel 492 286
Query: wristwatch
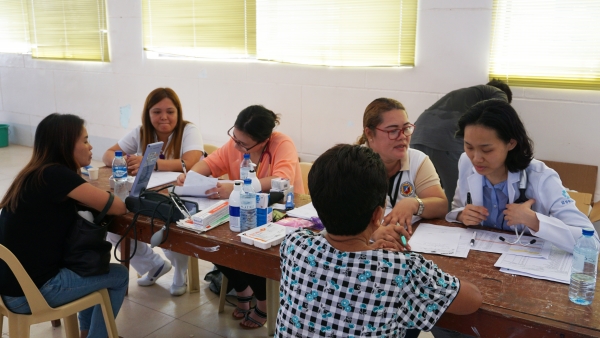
pixel 421 206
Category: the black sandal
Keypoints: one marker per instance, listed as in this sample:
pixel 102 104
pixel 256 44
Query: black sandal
pixel 258 324
pixel 241 311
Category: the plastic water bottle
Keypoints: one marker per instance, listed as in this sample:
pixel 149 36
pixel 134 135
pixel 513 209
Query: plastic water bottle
pixel 255 181
pixel 247 206
pixel 245 167
pixel 234 207
pixel 119 170
pixel 583 270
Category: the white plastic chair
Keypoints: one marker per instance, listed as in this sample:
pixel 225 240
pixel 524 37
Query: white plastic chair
pixel 19 324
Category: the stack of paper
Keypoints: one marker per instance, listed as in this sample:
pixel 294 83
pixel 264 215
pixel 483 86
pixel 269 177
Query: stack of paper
pixel 557 267
pixel 441 240
pixel 190 225
pixel 213 216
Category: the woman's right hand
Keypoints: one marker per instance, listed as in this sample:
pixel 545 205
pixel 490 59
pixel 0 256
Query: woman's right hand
pixel 472 215
pixel 180 180
pixel 133 164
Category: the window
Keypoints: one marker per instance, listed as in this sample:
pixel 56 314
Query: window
pixel 55 29
pixel 316 32
pixel 546 43
pixel 200 28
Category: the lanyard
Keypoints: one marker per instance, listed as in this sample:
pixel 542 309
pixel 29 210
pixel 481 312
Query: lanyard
pixel 395 187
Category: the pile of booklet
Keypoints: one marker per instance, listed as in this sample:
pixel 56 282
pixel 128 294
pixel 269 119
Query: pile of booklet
pixel 209 218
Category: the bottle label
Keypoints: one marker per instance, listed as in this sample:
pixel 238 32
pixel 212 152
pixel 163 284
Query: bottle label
pixel 119 172
pixel 234 211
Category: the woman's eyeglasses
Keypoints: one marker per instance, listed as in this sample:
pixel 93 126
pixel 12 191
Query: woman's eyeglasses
pixel 394 134
pixel 240 144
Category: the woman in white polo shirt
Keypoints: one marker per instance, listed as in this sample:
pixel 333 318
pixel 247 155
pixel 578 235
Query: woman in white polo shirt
pixel 162 120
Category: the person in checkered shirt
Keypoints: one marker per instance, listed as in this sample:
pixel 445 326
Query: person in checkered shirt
pixel 354 279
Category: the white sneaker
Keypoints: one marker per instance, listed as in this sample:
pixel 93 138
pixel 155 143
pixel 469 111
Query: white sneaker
pixel 178 290
pixel 154 274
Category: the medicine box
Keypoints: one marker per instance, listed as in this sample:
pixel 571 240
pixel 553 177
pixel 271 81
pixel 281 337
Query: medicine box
pixel 265 236
pixel 280 184
pixel 212 213
pixel 264 216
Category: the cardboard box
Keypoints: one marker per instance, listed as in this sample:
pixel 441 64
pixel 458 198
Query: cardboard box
pixel 595 213
pixel 582 200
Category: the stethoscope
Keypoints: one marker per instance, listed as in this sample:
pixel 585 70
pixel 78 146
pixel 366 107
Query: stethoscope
pixel 522 199
pixel 264 153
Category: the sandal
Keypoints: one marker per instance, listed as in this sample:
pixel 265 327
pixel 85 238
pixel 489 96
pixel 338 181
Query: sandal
pixel 260 314
pixel 241 311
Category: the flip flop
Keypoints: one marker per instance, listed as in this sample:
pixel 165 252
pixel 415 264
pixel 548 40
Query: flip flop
pixel 258 324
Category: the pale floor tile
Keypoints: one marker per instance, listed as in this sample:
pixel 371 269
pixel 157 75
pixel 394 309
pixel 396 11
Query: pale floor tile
pixel 148 311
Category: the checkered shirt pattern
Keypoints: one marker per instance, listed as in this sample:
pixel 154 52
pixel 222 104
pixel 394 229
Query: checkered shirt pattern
pixel 378 293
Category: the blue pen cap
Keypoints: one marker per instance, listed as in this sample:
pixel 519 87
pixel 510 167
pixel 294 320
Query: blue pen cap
pixel 587 232
pixel 119 153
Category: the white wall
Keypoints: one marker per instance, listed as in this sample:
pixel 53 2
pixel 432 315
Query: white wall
pixel 320 106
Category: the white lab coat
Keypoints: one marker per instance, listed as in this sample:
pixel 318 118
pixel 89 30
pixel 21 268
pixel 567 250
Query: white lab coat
pixel 560 220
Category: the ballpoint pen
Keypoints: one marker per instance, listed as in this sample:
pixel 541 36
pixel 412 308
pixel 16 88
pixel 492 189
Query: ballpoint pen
pixel 183 167
pixel 469 198
pixel 473 238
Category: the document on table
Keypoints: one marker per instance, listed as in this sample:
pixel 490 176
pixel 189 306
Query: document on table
pixel 203 202
pixel 489 241
pixel 161 178
pixel 196 185
pixel 305 212
pixel 556 267
pixel 430 236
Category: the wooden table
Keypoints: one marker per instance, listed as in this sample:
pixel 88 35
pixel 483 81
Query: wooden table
pixel 513 306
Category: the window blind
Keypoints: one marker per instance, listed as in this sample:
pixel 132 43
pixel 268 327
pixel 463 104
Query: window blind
pixel 200 28
pixel 68 29
pixel 14 36
pixel 337 33
pixel 546 43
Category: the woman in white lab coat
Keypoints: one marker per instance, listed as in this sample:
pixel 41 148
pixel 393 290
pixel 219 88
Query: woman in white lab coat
pixel 501 185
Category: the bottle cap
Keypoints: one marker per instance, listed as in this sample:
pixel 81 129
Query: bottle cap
pixel 587 232
pixel 118 153
pixel 246 155
pixel 247 181
pixel 238 182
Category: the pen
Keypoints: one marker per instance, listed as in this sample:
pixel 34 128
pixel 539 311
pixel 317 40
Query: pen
pixel 473 238
pixel 469 198
pixel 183 167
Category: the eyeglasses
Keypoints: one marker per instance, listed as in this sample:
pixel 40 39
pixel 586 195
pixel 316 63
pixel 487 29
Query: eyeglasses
pixel 240 144
pixel 394 134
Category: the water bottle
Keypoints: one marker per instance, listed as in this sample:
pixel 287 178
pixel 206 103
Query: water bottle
pixel 583 270
pixel 119 170
pixel 245 167
pixel 255 181
pixel 247 206
pixel 234 207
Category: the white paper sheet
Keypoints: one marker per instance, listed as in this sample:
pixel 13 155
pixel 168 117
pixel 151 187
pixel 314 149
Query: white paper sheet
pixel 520 273
pixel 557 266
pixel 489 241
pixel 162 177
pixel 196 185
pixel 305 212
pixel 463 241
pixel 434 243
pixel 203 202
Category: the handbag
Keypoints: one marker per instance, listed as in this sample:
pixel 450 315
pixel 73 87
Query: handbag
pixel 87 253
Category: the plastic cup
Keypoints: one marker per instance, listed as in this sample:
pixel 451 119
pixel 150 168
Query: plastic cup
pixel 93 172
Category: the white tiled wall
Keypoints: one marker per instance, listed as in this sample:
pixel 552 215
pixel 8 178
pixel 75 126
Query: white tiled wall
pixel 319 106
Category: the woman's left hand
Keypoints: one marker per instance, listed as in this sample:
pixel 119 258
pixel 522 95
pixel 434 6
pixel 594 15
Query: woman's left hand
pixel 402 213
pixel 522 214
pixel 133 164
pixel 222 191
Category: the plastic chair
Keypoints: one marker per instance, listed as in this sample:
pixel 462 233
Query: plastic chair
pixel 19 324
pixel 305 168
pixel 209 148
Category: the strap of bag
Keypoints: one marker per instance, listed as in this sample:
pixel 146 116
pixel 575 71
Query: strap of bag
pixel 109 203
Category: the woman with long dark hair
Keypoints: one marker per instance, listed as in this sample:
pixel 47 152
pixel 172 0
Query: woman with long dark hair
pixel 38 210
pixel 162 120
